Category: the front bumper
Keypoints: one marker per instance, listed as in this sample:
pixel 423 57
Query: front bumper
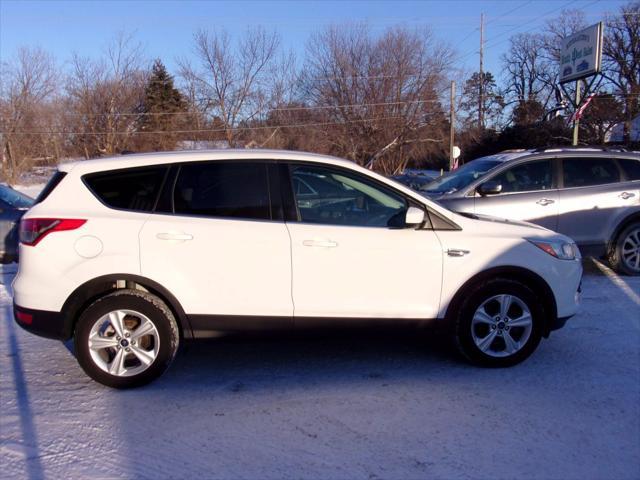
pixel 560 322
pixel 42 323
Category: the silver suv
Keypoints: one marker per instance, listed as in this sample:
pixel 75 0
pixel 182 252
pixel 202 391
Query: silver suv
pixel 590 194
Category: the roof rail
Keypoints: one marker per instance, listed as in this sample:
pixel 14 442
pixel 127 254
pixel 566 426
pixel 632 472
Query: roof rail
pixel 568 148
pixel 515 150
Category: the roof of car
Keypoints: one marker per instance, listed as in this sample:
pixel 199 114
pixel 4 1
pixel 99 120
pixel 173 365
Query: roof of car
pixel 509 155
pixel 155 158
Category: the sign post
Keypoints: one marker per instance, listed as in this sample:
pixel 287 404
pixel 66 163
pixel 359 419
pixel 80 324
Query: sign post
pixel 580 58
pixel 576 121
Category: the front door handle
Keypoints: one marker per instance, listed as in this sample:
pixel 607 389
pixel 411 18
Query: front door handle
pixel 320 243
pixel 174 236
pixel 545 201
pixel 626 195
pixel 457 252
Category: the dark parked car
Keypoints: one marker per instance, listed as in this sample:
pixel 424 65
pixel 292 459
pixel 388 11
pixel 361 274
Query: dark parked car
pixel 13 205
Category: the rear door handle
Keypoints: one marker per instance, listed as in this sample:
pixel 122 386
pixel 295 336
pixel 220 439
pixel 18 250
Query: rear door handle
pixel 545 201
pixel 320 243
pixel 174 236
pixel 626 195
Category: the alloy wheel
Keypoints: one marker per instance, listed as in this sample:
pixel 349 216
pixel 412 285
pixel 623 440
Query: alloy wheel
pixel 501 325
pixel 124 343
pixel 631 250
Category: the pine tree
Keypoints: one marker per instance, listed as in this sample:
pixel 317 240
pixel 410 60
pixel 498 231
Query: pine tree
pixel 492 105
pixel 161 111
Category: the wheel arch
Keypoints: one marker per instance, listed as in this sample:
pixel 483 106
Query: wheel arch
pixel 90 291
pixel 534 281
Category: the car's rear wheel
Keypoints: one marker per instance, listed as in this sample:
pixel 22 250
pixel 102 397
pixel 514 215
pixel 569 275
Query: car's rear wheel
pixel 499 324
pixel 126 339
pixel 625 253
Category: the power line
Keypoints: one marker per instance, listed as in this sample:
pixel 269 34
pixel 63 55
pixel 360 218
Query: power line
pixel 491 21
pixel 510 11
pixel 277 109
pixel 563 6
pixel 211 130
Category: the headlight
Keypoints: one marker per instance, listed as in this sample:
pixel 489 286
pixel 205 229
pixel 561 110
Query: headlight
pixel 559 249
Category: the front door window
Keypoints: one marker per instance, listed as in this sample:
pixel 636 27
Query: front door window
pixel 334 197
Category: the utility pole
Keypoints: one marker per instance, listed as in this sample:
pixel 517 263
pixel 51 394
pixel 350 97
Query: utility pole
pixel 452 129
pixel 576 121
pixel 481 88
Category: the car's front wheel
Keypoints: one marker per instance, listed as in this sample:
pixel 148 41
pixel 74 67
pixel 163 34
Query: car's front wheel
pixel 499 324
pixel 625 253
pixel 126 339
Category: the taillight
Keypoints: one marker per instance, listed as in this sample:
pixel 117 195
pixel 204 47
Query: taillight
pixel 32 230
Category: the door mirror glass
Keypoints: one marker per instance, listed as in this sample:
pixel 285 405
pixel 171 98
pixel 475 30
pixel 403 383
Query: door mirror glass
pixel 491 187
pixel 414 217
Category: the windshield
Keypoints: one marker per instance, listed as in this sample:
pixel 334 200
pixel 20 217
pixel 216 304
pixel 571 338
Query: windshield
pixel 15 199
pixel 461 177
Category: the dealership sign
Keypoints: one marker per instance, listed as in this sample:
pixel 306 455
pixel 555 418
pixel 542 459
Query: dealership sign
pixel 581 54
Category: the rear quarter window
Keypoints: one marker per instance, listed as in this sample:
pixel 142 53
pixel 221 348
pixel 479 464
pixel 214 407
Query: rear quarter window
pixel 631 168
pixel 50 186
pixel 133 189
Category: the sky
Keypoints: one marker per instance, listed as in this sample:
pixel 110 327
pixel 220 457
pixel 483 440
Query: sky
pixel 165 27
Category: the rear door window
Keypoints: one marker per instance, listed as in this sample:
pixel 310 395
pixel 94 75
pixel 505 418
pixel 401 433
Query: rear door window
pixel 631 168
pixel 587 172
pixel 527 177
pixel 223 189
pixel 129 189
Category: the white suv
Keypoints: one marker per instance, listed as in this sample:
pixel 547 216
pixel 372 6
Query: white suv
pixel 132 255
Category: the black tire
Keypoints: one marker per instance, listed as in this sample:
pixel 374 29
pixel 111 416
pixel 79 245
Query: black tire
pixel 474 298
pixel 616 259
pixel 145 303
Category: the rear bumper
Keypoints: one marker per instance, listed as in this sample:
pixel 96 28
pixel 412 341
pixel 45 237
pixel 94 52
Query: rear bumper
pixel 42 323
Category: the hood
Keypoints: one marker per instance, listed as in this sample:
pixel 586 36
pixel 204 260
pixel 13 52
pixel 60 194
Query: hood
pixel 490 218
pixel 431 195
pixel 486 226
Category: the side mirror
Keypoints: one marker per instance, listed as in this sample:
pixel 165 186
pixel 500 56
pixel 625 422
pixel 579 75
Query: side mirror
pixel 414 217
pixel 491 187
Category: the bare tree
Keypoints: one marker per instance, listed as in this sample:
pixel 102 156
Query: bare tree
pixel 29 82
pixel 556 29
pixel 525 68
pixel 378 97
pixel 105 98
pixel 621 58
pixel 231 83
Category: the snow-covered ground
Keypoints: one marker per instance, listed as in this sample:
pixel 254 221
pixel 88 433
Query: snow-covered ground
pixel 336 406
